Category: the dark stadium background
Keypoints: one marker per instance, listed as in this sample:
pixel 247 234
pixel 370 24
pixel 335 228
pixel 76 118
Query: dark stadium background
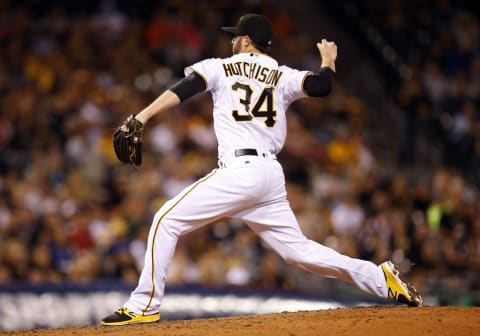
pixel 386 167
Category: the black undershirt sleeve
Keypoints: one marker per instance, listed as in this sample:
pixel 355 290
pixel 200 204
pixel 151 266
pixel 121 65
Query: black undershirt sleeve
pixel 189 86
pixel 319 84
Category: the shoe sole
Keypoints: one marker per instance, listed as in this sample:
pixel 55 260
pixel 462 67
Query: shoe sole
pixel 122 323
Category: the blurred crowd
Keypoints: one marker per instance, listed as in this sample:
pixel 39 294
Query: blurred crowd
pixel 71 71
pixel 437 44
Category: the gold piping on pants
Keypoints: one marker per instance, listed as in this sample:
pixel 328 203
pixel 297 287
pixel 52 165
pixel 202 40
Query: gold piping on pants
pixel 156 229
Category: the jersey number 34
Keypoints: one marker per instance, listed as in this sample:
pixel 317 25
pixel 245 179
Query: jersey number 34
pixel 263 108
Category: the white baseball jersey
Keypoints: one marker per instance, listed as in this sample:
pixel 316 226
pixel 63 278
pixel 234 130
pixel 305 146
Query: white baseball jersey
pixel 250 94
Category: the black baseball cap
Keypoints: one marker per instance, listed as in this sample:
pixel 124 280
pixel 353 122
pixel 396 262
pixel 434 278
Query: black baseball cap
pixel 255 26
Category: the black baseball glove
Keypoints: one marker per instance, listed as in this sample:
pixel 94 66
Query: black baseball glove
pixel 127 141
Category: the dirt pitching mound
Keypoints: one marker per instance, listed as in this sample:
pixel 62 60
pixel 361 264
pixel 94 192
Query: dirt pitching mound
pixel 369 321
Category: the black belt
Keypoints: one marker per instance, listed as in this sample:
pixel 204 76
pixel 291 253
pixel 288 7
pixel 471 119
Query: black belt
pixel 246 151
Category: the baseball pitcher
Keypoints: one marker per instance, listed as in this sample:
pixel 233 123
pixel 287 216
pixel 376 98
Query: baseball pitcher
pixel 251 93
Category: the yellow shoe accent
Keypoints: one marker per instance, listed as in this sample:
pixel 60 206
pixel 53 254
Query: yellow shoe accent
pixel 124 316
pixel 398 289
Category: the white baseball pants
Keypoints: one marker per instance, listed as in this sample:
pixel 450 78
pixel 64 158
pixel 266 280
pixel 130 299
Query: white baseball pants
pixel 251 188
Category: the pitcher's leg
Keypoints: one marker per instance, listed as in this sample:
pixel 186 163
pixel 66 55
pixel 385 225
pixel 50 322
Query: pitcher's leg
pixel 325 261
pixel 162 240
pixel 278 227
pixel 186 212
pixel 216 195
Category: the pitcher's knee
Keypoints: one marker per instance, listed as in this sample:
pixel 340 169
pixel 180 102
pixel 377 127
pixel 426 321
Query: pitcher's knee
pixel 169 225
